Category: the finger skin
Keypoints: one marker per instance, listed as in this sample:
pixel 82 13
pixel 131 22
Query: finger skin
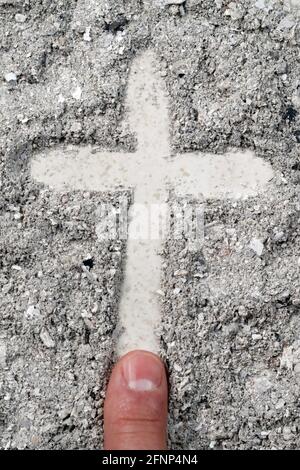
pixel 136 411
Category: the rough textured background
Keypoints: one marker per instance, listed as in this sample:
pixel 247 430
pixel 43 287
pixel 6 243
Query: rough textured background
pixel 231 331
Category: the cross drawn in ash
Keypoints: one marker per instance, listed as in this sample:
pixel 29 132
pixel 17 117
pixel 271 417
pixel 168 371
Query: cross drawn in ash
pixel 150 171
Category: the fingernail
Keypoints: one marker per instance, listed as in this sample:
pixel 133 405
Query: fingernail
pixel 143 372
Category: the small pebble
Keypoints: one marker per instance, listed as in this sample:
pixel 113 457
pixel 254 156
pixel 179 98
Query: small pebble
pixel 76 127
pixel 160 293
pixel 87 34
pixel 256 337
pixel 280 404
pixel 280 237
pixel 297 368
pixel 77 92
pixel 46 339
pixel 2 353
pixel 10 77
pixel 175 2
pixel 32 310
pixel 257 246
pixel 20 18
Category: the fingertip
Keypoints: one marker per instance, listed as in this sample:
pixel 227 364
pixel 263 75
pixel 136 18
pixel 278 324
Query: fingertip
pixel 135 411
pixel 142 371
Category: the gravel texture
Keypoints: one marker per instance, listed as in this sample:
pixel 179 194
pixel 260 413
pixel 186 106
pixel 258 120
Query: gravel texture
pixel 231 330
